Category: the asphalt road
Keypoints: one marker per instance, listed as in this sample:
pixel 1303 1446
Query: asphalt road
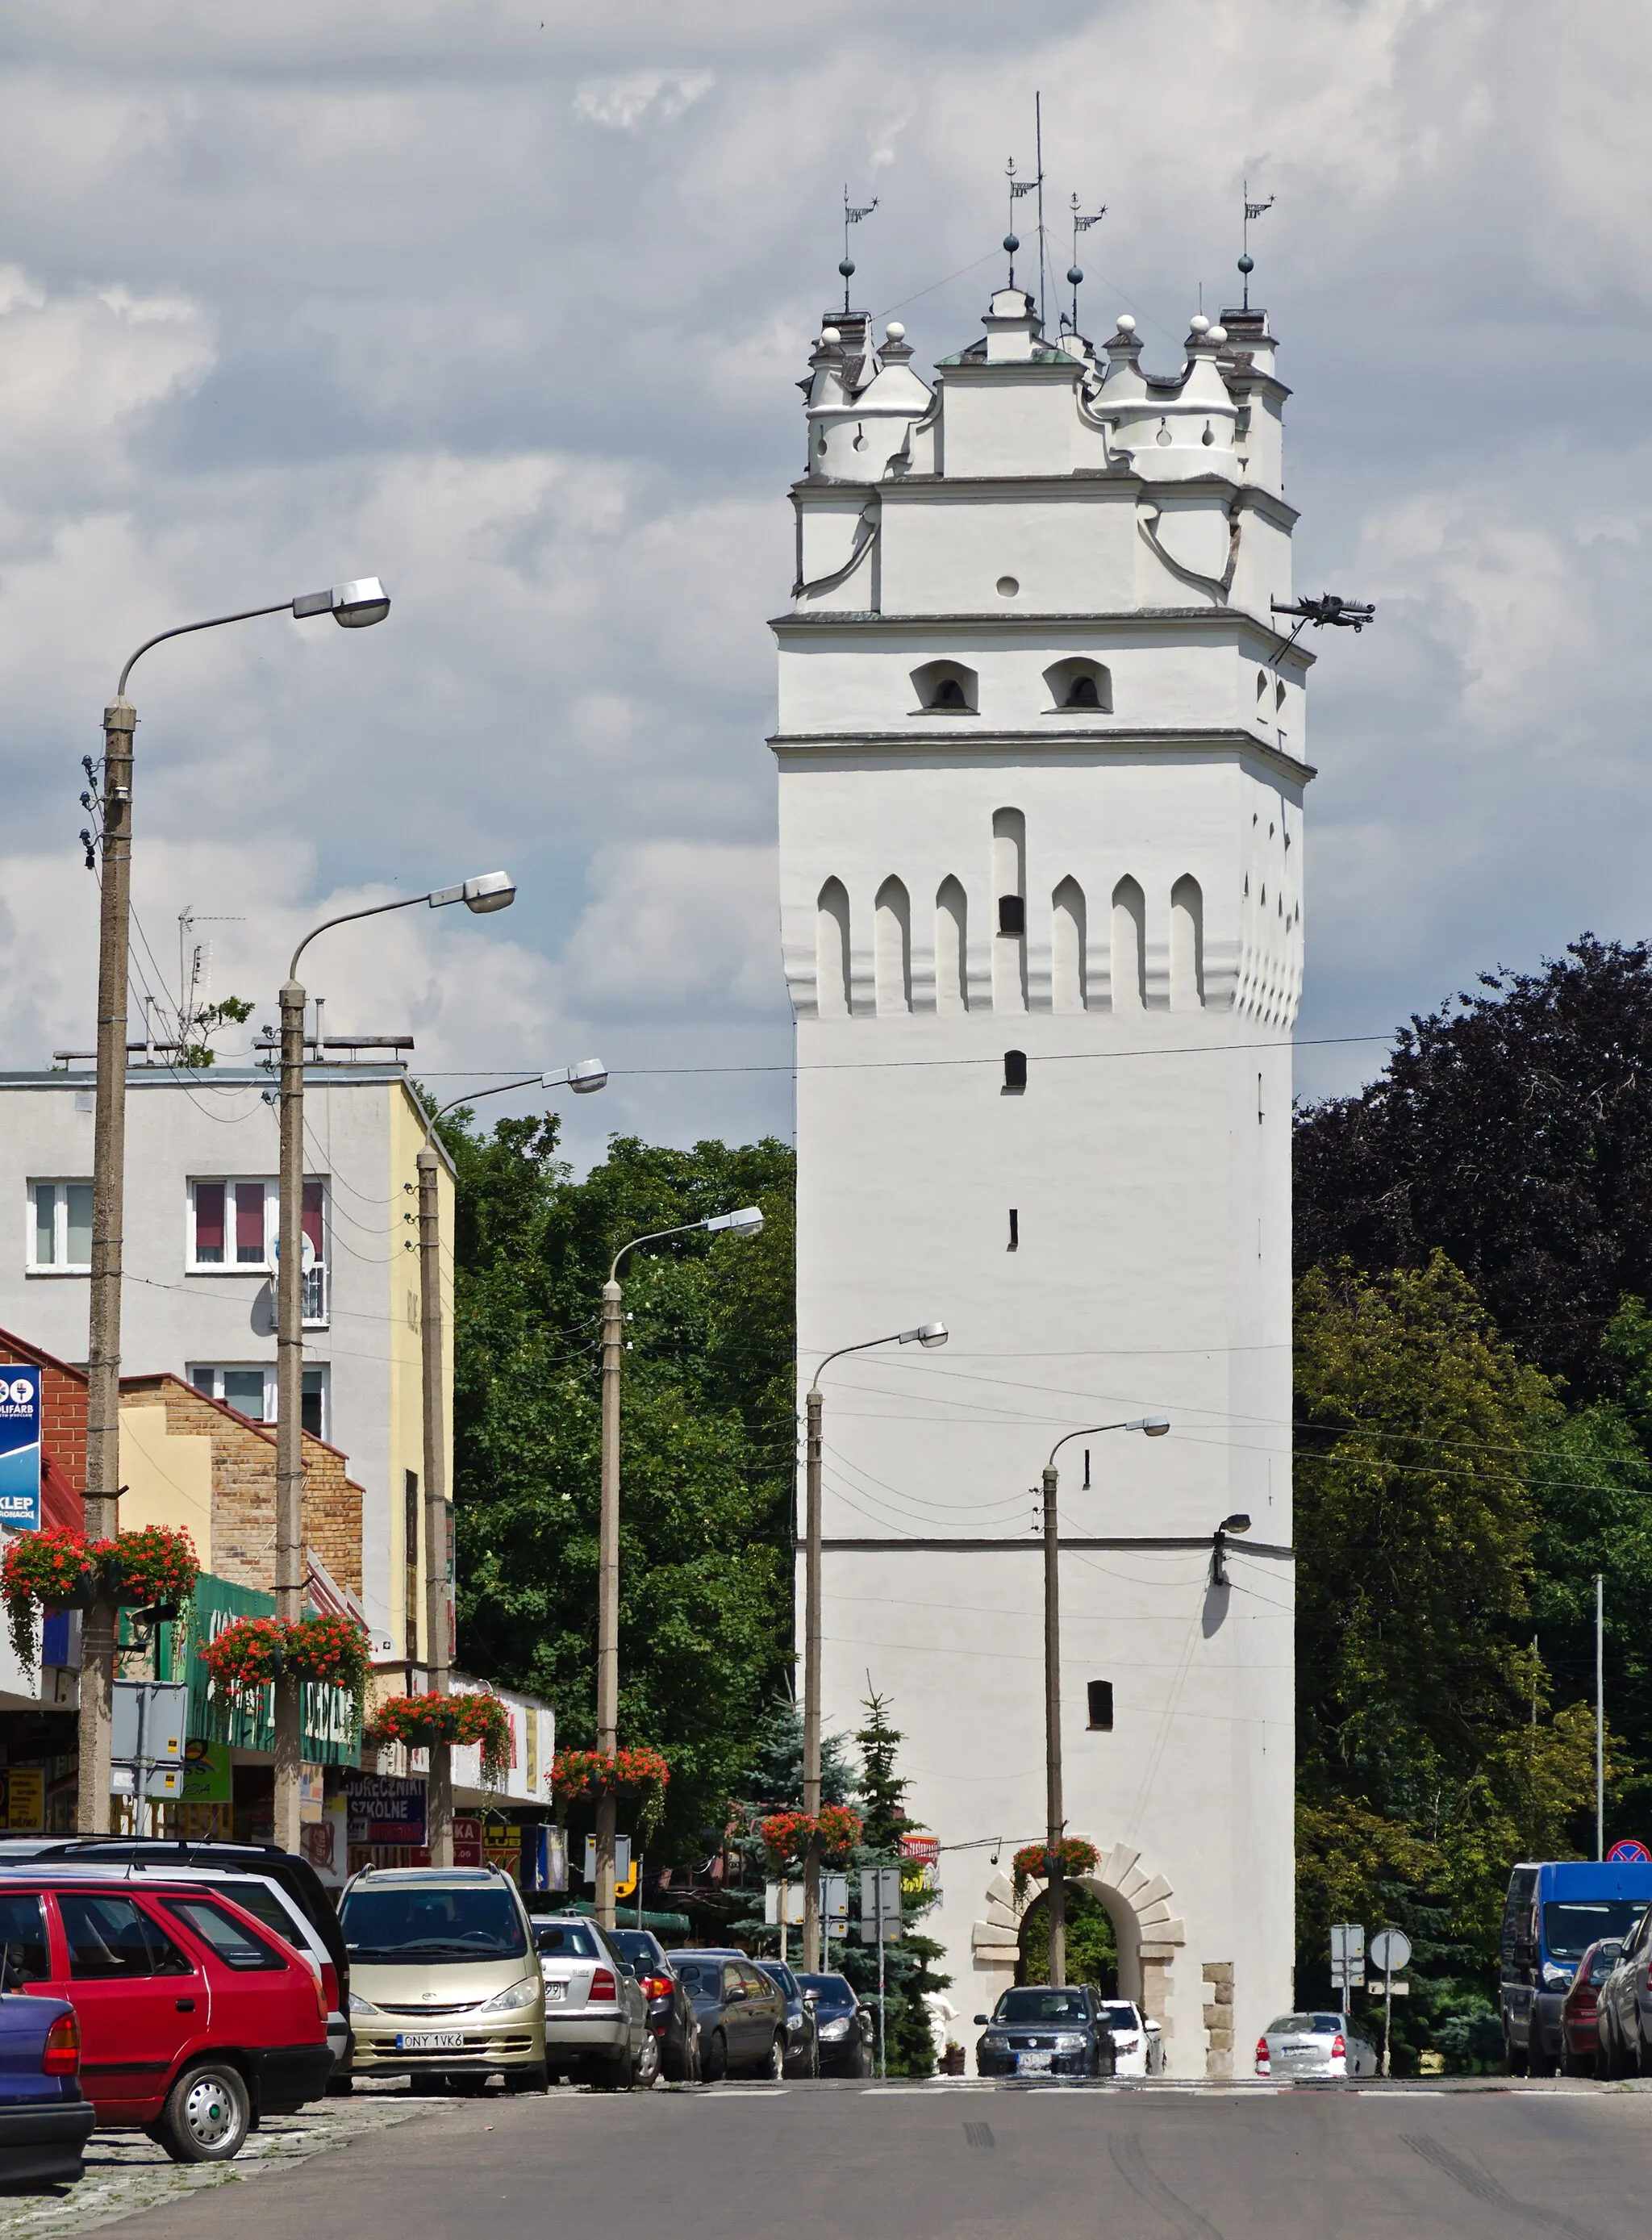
pixel 889 2163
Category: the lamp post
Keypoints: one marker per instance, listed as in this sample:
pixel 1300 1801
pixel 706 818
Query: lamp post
pixel 745 1221
pixel 1054 1818
pixel 355 606
pixel 928 1335
pixel 493 891
pixel 584 1078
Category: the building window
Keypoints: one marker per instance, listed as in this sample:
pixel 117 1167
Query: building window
pixel 1080 683
pixel 948 685
pixel 236 1224
pixel 251 1390
pixel 60 1228
pixel 1015 1069
pixel 1100 1693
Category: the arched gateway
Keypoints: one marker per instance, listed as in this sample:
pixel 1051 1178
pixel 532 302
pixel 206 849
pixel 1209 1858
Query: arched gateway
pixel 1138 1904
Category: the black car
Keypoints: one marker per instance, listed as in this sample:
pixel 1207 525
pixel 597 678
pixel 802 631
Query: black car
pixel 741 2013
pixel 1045 2031
pixel 845 2025
pixel 671 2010
pixel 802 2035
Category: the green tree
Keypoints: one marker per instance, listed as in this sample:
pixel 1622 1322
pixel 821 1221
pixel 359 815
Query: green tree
pixel 707 1444
pixel 774 1783
pixel 910 1964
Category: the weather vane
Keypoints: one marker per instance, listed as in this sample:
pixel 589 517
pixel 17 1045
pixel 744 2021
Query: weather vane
pixel 1247 264
pixel 1074 274
pixel 851 216
pixel 1018 189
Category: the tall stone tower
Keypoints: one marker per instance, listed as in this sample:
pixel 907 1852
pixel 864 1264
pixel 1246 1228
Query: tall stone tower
pixel 1041 752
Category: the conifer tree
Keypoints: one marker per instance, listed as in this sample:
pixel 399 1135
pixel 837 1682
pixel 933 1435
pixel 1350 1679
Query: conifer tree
pixel 909 1964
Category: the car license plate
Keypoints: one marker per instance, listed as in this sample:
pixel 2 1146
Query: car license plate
pixel 554 1991
pixel 1032 2064
pixel 429 2042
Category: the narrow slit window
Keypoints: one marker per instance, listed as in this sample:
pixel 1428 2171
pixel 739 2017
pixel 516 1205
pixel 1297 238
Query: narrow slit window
pixel 1012 914
pixel 1100 1694
pixel 1014 1230
pixel 1014 1069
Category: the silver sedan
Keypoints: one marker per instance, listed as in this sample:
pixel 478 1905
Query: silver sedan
pixel 1322 2044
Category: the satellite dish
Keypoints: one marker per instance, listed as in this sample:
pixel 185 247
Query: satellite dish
pixel 306 1256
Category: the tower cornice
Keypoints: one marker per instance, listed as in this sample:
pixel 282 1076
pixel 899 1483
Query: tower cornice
pixel 1034 626
pixel 1109 482
pixel 1206 744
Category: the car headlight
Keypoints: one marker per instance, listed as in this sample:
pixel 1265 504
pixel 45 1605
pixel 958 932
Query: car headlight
pixel 358 2005
pixel 839 2028
pixel 1556 1979
pixel 1069 2041
pixel 524 1993
pixel 994 2044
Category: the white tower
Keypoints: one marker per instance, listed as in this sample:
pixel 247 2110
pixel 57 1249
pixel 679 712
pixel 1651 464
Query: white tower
pixel 1041 764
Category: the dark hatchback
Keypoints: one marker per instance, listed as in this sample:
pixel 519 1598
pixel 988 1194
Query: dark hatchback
pixel 671 2010
pixel 803 2033
pixel 845 2026
pixel 1039 2031
pixel 45 2123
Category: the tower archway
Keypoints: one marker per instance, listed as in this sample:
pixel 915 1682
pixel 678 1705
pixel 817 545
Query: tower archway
pixel 1137 1902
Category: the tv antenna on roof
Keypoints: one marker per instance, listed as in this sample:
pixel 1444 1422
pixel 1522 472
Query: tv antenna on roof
pixel 1074 274
pixel 851 216
pixel 1247 265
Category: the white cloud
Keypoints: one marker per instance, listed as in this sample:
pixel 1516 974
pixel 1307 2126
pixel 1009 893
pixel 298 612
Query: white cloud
pixel 641 95
pixel 680 926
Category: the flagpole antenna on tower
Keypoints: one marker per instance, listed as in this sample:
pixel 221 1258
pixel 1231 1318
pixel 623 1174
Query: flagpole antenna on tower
pixel 1247 264
pixel 851 216
pixel 1074 272
pixel 1038 161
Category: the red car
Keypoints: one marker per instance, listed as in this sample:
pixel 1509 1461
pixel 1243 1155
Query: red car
pixel 196 2020
pixel 1578 2009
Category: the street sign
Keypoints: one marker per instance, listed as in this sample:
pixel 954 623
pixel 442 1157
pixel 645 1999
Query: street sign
pixel 1390 1950
pixel 880 1891
pixel 1630 1852
pixel 20 1447
pixel 1347 1947
pixel 783 1902
pixel 622 1862
pixel 834 1904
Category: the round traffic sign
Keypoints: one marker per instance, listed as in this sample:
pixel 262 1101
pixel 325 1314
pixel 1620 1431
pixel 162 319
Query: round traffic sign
pixel 1631 1851
pixel 1390 1950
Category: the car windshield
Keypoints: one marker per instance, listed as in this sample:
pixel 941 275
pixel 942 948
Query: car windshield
pixel 834 1990
pixel 777 1970
pixel 704 1978
pixel 1572 1923
pixel 1305 2026
pixel 640 1947
pixel 1041 2006
pixel 1119 2014
pixel 410 1923
pixel 571 1940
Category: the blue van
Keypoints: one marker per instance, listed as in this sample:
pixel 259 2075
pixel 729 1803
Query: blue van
pixel 1555 1911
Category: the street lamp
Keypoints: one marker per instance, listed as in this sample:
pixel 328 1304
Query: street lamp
pixel 745 1221
pixel 356 605
pixel 585 1077
pixel 493 891
pixel 928 1335
pixel 1153 1427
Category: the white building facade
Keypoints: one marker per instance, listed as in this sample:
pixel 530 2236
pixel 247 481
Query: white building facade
pixel 1040 753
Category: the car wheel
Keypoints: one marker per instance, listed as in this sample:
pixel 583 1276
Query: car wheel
pixel 1541 2063
pixel 647 2064
pixel 207 2116
pixel 775 2068
pixel 1515 2057
pixel 716 2059
pixel 618 2073
pixel 528 2080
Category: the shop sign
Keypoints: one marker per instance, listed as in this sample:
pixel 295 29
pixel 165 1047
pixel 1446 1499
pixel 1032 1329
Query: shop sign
pixel 20 1447
pixel 208 1778
pixel 22 1788
pixel 383 1809
pixel 326 1715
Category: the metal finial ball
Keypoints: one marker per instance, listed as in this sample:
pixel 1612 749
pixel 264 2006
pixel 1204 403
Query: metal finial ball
pixel 1247 264
pixel 847 268
pixel 1073 276
pixel 1011 243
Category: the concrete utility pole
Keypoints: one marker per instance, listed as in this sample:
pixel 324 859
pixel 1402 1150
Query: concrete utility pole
pixel 494 891
pixel 746 1222
pixel 355 605
pixel 1055 1815
pixel 1600 1715
pixel 927 1334
pixel 588 1075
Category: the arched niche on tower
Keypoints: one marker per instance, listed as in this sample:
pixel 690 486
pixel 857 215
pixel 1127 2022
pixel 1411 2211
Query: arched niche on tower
pixel 951 947
pixel 892 947
pixel 1187 945
pixel 831 951
pixel 1068 946
pixel 946 688
pixel 1078 683
pixel 1129 947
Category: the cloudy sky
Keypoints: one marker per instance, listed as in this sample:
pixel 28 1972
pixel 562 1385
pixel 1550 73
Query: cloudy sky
pixel 505 303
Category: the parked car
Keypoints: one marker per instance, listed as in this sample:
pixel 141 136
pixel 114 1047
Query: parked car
pixel 195 2020
pixel 1578 2042
pixel 671 2019
pixel 445 1986
pixel 1046 2031
pixel 803 2032
pixel 742 2015
pixel 1554 1912
pixel 45 2120
pixel 845 2025
pixel 1138 2044
pixel 596 2012
pixel 1317 2044
pixel 1623 2012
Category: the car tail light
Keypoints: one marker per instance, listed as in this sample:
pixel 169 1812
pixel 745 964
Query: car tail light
pixel 329 1984
pixel 603 1988
pixel 62 2056
pixel 656 1987
pixel 1263 2060
pixel 1339 2048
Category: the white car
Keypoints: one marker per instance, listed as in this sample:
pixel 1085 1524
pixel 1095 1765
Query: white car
pixel 1138 2044
pixel 1320 2044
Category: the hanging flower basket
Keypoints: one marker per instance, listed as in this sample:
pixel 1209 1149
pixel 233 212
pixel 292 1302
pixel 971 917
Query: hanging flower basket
pixel 58 1568
pixel 1031 1862
pixel 334 1652
pixel 154 1566
pixel 416 1721
pixel 642 1772
pixel 786 1836
pixel 246 1656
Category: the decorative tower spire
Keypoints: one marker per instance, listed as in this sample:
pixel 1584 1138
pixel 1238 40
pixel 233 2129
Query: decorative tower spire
pixel 1018 189
pixel 1246 263
pixel 851 216
pixel 1074 274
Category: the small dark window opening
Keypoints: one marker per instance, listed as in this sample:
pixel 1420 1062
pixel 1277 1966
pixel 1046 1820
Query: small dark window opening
pixel 1014 1230
pixel 949 693
pixel 1012 914
pixel 1014 1069
pixel 1081 693
pixel 1101 1705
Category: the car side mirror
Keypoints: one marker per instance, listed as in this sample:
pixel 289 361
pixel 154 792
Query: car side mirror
pixel 736 1995
pixel 1525 1952
pixel 811 1998
pixel 981 2022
